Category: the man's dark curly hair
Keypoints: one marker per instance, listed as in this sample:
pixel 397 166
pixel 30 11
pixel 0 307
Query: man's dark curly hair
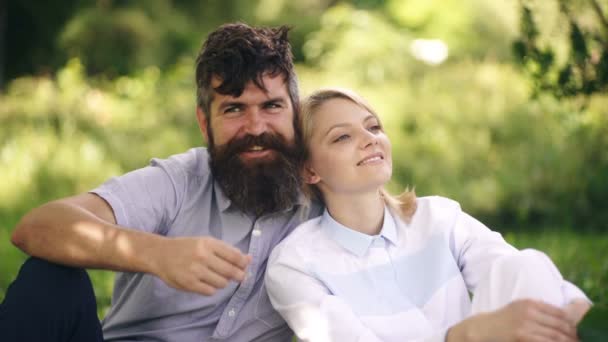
pixel 237 54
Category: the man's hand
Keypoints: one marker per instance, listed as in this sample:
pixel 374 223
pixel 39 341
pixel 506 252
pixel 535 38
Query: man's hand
pixel 522 320
pixel 200 265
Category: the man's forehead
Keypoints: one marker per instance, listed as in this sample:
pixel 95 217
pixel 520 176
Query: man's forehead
pixel 272 86
pixel 276 88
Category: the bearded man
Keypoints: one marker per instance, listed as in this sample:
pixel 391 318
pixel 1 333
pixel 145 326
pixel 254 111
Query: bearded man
pixel 189 235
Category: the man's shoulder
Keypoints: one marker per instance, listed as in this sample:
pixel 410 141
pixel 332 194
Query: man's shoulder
pixel 194 162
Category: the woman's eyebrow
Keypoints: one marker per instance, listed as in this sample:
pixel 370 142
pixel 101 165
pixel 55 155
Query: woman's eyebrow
pixel 336 126
pixel 367 118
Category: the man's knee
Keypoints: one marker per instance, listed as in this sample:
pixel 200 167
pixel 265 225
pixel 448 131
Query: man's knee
pixel 49 302
pixel 51 285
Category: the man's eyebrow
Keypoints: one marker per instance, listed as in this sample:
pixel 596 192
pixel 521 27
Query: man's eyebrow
pixel 276 99
pixel 234 103
pixel 227 104
pixel 367 118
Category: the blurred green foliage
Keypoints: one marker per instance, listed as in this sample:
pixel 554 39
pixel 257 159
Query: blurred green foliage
pixel 115 88
pixel 577 66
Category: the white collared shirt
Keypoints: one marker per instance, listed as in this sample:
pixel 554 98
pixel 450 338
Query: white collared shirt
pixel 411 282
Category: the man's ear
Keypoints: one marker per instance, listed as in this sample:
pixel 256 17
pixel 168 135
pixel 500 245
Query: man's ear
pixel 310 176
pixel 202 123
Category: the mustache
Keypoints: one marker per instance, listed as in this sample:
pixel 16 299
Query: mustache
pixel 265 140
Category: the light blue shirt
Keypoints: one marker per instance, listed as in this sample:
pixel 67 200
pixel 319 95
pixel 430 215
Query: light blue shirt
pixel 178 196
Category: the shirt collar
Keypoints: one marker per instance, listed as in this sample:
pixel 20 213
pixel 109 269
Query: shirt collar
pixel 224 202
pixel 356 242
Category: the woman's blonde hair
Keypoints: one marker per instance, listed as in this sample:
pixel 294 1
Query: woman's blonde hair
pixel 405 203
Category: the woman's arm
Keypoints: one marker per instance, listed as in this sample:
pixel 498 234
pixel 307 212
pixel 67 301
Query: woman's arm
pixel 479 251
pixel 501 279
pixel 521 320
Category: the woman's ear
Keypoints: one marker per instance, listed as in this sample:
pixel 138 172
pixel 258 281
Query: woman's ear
pixel 310 176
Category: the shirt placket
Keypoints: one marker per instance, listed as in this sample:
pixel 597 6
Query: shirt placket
pixel 379 253
pixel 236 303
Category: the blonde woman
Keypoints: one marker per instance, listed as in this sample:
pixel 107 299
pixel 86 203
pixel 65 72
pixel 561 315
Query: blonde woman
pixel 375 267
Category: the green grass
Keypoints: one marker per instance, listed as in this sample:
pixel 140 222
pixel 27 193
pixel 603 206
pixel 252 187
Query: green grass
pixel 580 257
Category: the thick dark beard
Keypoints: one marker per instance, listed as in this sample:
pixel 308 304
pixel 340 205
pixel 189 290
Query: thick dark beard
pixel 264 187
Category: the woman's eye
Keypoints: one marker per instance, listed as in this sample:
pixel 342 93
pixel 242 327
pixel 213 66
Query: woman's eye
pixel 375 128
pixel 342 138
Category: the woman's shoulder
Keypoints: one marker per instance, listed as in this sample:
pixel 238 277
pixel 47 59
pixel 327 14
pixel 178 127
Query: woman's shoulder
pixel 299 242
pixel 436 204
pixel 433 213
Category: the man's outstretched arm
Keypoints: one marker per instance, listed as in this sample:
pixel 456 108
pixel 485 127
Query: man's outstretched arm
pixel 81 231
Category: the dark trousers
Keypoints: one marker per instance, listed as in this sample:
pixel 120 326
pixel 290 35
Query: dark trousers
pixel 49 302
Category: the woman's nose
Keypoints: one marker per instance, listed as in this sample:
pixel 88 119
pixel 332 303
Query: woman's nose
pixel 368 139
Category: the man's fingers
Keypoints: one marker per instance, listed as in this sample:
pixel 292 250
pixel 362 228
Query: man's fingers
pixel 213 279
pixel 202 288
pixel 231 254
pixel 226 269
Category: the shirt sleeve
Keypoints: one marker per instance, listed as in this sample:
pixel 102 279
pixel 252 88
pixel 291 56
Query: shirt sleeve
pixel 146 199
pixel 309 308
pixel 476 247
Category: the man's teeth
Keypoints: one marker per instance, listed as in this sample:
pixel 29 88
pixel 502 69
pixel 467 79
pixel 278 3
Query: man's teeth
pixel 372 159
pixel 256 148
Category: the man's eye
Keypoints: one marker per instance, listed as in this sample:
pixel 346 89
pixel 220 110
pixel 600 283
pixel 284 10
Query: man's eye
pixel 232 110
pixel 272 105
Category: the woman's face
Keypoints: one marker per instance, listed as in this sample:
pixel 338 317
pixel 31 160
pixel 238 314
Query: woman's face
pixel 349 151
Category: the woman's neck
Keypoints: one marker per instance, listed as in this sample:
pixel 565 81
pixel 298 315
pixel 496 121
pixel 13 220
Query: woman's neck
pixel 361 212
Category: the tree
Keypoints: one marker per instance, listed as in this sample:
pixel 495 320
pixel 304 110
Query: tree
pixel 584 70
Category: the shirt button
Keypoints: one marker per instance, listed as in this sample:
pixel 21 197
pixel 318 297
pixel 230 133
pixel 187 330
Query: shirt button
pixel 231 313
pixel 256 232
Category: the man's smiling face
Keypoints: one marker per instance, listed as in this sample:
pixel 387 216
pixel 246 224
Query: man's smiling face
pixel 252 149
pixel 254 113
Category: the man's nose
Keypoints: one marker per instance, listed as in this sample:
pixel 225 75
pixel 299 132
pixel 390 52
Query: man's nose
pixel 255 123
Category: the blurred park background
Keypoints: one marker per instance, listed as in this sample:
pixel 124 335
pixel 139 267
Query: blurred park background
pixel 501 105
